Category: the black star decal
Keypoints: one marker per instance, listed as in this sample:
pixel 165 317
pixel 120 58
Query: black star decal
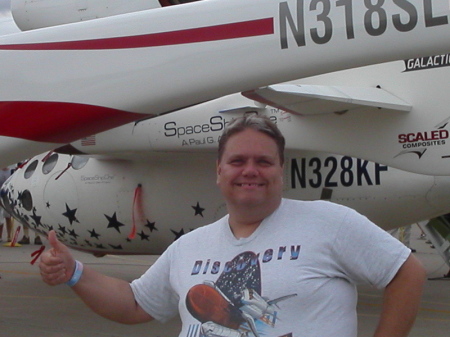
pixel 100 246
pixel 36 218
pixel 143 236
pixel 70 214
pixel 62 230
pixel 151 226
pixel 94 234
pixel 198 210
pixel 73 234
pixel 116 247
pixel 113 223
pixel 177 234
pixel 47 204
pixel 19 198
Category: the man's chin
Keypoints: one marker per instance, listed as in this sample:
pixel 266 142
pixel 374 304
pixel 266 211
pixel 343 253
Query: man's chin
pixel 251 201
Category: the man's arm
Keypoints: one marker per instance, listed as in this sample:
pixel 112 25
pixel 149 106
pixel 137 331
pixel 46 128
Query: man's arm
pixel 401 300
pixel 109 297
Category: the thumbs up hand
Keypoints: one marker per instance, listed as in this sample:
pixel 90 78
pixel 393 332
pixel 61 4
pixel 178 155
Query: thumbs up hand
pixel 57 264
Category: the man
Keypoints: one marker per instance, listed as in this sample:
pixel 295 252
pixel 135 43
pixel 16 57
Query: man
pixel 272 267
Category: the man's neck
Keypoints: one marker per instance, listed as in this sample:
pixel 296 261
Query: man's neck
pixel 243 230
pixel 243 222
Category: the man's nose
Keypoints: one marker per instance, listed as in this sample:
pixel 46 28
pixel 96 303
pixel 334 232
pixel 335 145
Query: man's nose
pixel 250 169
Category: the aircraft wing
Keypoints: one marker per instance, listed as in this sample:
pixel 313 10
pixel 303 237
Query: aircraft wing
pixel 319 99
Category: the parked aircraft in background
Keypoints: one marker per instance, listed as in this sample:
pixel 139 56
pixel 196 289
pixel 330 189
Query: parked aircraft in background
pixel 136 188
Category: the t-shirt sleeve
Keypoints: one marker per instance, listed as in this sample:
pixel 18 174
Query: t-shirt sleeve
pixel 153 290
pixel 366 253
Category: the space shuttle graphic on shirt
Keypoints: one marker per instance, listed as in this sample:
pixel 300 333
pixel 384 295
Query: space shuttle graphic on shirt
pixel 233 306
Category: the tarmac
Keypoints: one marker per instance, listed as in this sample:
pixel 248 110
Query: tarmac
pixel 28 307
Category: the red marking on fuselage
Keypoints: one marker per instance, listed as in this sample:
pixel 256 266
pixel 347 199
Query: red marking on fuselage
pixel 193 35
pixel 57 122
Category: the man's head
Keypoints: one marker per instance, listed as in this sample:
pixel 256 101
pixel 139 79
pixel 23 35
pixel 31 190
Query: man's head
pixel 257 123
pixel 250 165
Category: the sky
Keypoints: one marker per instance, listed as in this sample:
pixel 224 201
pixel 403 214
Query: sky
pixel 7 24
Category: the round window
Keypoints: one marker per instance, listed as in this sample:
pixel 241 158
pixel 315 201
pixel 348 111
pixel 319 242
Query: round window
pixel 50 163
pixel 30 169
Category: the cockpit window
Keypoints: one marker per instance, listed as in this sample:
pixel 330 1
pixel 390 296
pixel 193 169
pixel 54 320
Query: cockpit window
pixel 50 163
pixel 30 169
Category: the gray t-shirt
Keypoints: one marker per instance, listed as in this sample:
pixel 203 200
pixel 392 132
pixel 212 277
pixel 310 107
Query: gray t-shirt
pixel 295 276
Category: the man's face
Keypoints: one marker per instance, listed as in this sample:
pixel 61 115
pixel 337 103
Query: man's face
pixel 249 172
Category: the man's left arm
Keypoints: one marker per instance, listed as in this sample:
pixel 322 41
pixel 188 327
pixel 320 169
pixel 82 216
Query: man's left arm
pixel 401 300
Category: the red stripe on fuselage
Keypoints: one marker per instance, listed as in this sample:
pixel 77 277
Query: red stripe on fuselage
pixel 57 122
pixel 202 34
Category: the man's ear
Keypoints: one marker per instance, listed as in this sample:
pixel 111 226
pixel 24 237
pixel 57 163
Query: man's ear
pixel 218 171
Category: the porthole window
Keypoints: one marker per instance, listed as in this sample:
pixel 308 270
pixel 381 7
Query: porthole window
pixel 78 162
pixel 30 169
pixel 27 200
pixel 50 163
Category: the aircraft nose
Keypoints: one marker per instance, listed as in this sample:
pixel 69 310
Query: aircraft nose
pixel 16 199
pixel 5 201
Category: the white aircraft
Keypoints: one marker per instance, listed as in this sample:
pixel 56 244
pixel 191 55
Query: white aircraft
pixel 138 187
pixel 62 83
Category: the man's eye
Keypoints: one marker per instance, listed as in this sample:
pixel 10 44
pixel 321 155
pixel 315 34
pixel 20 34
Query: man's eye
pixel 265 162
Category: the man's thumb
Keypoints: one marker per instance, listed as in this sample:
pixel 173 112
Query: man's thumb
pixel 54 242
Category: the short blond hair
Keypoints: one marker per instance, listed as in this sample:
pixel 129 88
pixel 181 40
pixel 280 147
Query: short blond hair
pixel 258 123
